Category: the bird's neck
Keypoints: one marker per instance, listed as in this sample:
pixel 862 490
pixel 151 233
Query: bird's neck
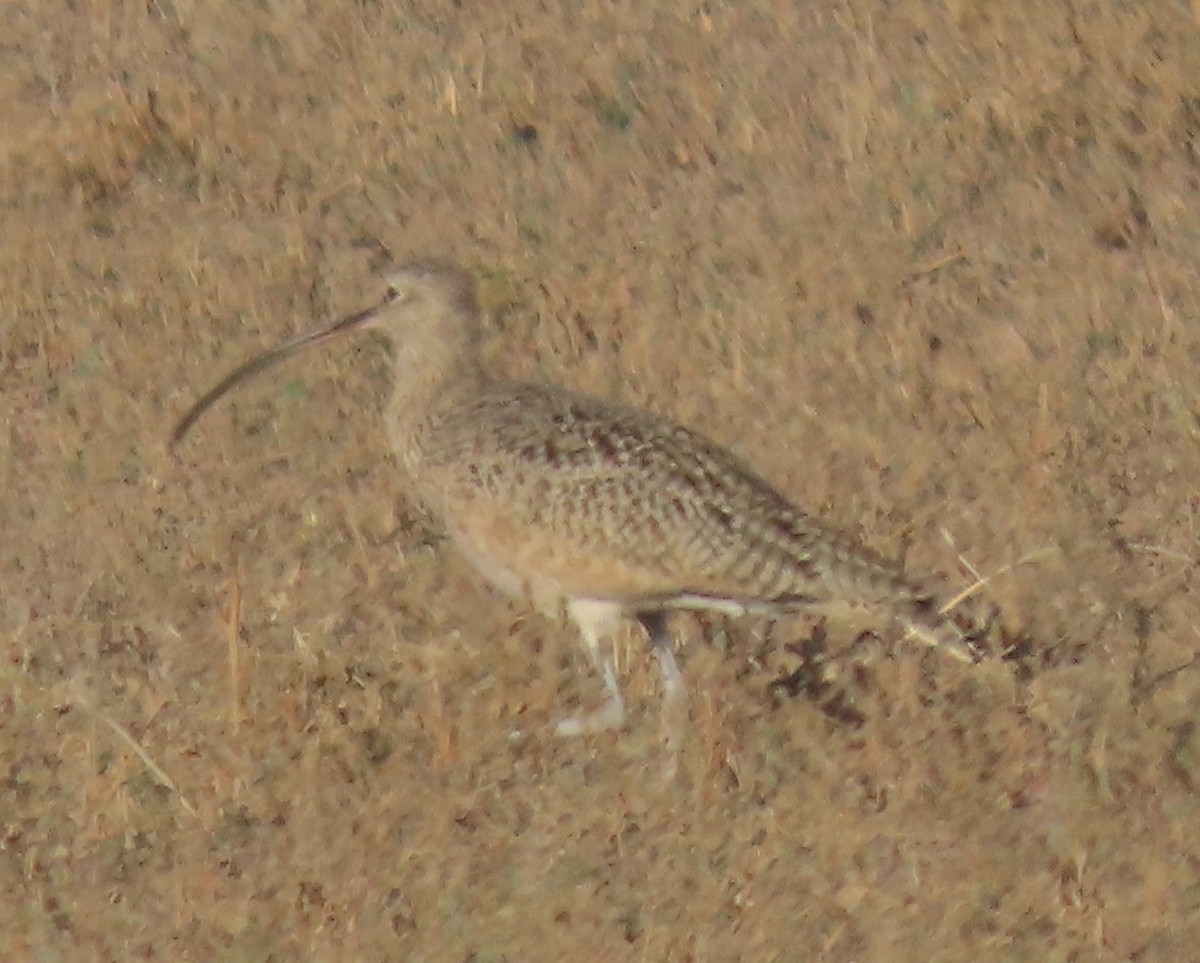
pixel 428 378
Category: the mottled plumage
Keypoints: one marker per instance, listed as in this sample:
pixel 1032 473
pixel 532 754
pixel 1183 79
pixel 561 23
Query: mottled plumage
pixel 591 505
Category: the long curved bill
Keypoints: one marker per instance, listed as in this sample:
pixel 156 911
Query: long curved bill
pixel 268 359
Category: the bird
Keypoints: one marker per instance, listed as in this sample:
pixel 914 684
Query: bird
pixel 598 510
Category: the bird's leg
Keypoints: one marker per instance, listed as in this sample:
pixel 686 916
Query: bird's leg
pixel 597 621
pixel 674 690
pixel 655 624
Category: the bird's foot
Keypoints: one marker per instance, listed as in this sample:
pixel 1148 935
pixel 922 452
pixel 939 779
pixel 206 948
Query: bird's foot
pixel 610 716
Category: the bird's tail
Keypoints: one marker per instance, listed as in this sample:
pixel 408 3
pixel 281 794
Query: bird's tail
pixel 968 627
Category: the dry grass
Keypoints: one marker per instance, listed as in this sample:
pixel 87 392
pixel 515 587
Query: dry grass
pixel 931 266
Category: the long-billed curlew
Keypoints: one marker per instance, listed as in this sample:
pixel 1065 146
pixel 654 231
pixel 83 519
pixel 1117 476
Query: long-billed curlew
pixel 595 507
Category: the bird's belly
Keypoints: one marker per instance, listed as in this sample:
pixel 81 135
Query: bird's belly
pixel 548 567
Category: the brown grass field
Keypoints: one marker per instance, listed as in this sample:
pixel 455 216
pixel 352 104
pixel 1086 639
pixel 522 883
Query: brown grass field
pixel 931 267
